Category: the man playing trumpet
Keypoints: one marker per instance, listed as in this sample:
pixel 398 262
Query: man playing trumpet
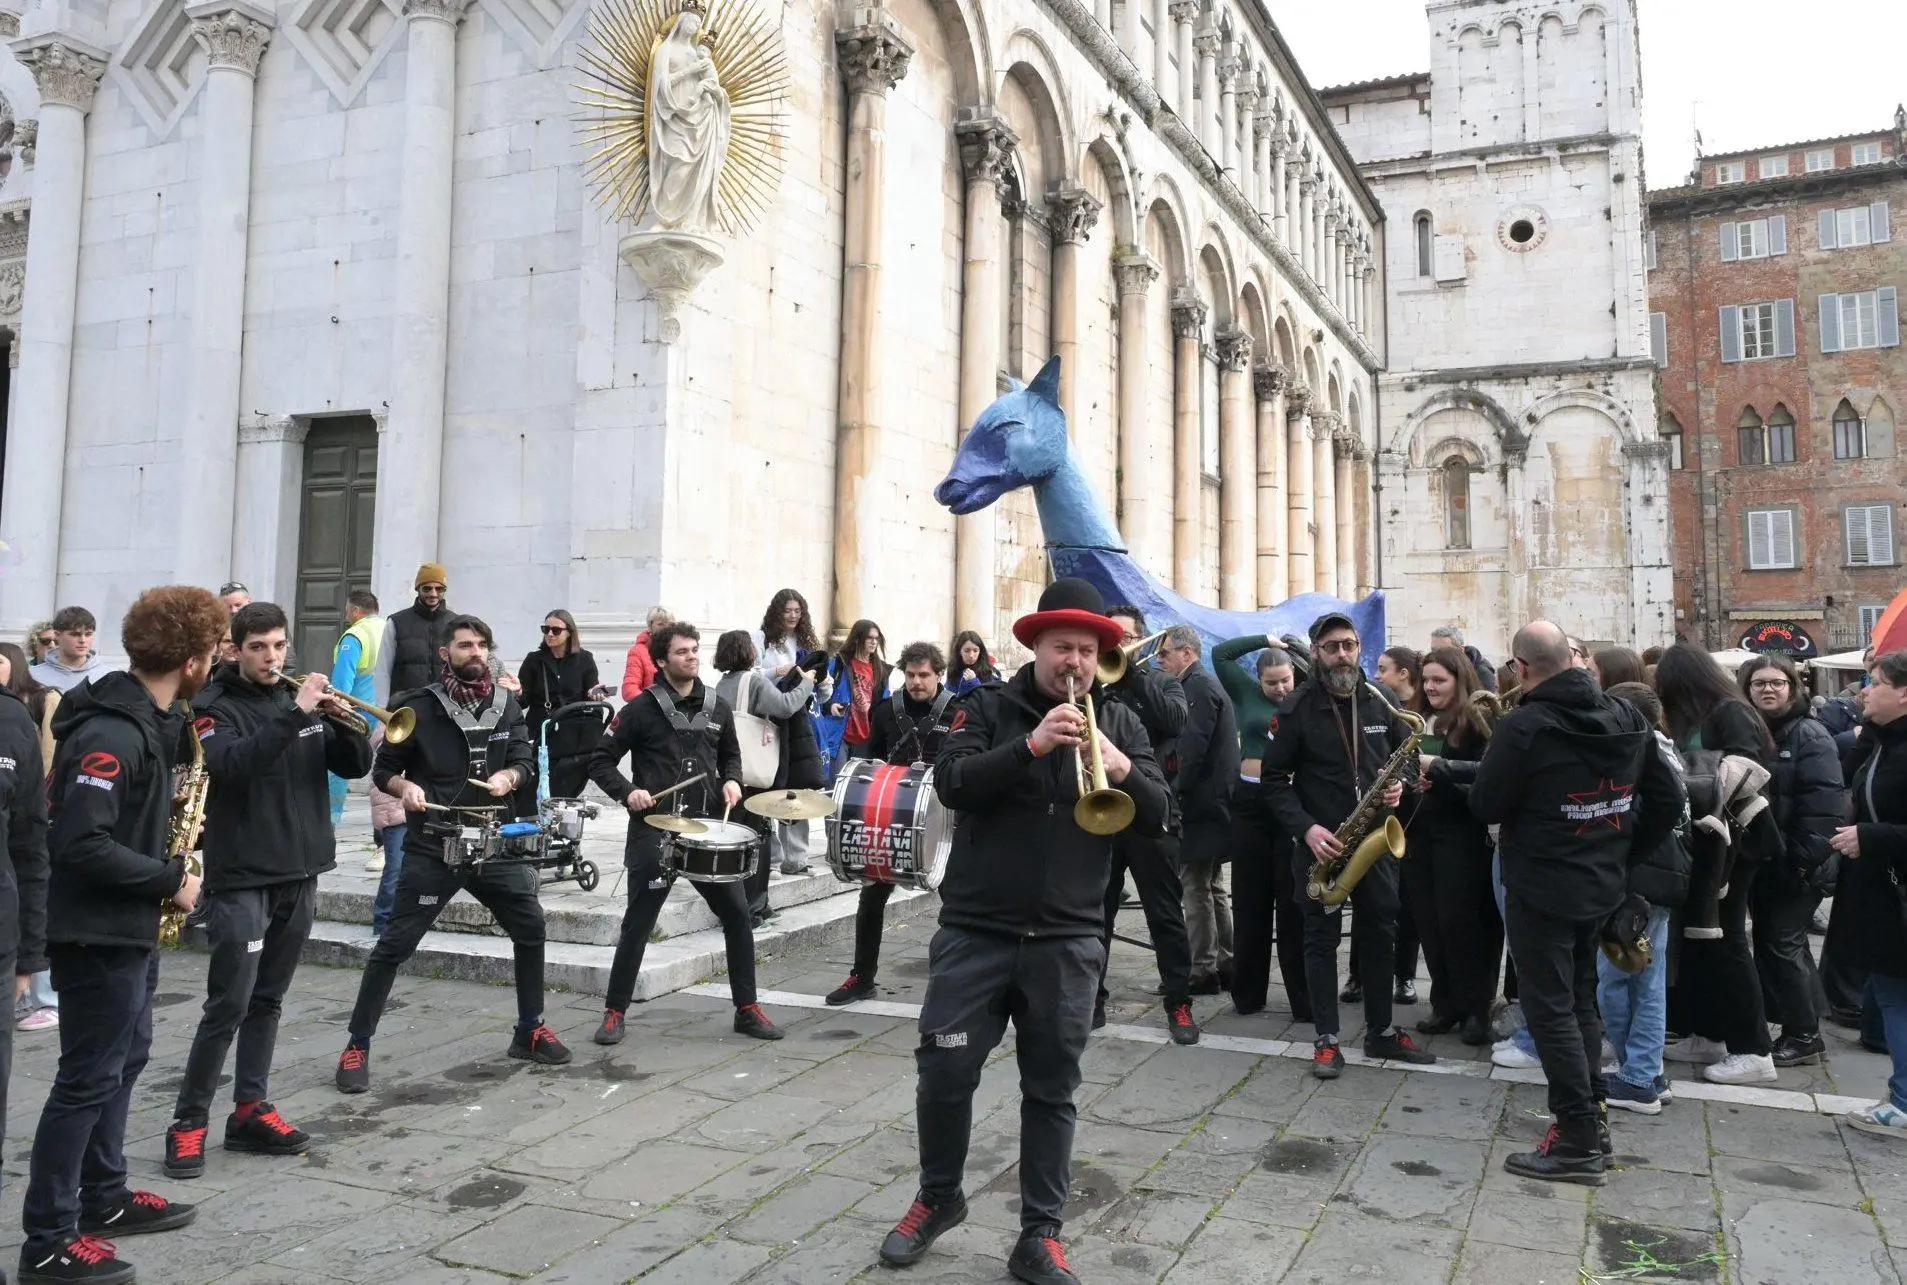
pixel 269 746
pixel 1020 918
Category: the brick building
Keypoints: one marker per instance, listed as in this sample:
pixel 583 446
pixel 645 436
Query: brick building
pixel 1773 280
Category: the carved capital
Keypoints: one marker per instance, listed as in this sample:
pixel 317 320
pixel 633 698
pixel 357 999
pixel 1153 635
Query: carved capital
pixel 1269 380
pixel 1649 451
pixel 26 137
pixel 1279 143
pixel 66 75
pixel 874 54
pixel 986 145
pixel 1227 73
pixel 1207 44
pixel 1074 212
pixel 1307 181
pixel 1248 106
pixel 13 290
pixel 450 11
pixel 1135 273
pixel 291 430
pixel 1297 400
pixel 9 24
pixel 1183 11
pixel 231 36
pixel 1234 348
pixel 1188 315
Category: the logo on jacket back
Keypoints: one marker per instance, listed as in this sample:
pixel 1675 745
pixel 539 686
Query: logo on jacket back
pixel 1606 805
pixel 98 770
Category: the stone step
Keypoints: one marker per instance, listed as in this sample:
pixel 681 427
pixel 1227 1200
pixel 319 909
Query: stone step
pixel 668 965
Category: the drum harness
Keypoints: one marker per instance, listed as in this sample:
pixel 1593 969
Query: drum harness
pixel 477 729
pixel 693 753
pixel 919 729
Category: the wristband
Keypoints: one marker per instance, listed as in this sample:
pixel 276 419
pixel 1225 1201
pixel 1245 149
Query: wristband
pixel 1033 749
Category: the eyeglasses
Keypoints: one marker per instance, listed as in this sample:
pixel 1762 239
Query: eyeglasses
pixel 1343 646
pixel 233 586
pixel 1768 684
pixel 553 630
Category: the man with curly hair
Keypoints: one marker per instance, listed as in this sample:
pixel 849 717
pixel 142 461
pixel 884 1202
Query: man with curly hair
pixel 110 798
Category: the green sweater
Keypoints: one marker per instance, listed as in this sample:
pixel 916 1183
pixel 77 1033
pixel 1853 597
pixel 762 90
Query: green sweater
pixel 1254 710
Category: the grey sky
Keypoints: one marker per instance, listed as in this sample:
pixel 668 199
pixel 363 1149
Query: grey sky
pixel 1749 73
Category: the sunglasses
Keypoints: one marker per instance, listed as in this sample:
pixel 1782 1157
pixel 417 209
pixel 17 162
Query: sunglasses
pixel 1342 647
pixel 555 629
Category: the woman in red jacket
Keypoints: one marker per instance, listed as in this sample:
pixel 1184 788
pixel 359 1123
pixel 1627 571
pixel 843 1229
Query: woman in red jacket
pixel 639 671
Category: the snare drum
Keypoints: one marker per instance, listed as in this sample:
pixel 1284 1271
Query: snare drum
pixel 563 818
pixel 726 853
pixel 468 845
pixel 889 826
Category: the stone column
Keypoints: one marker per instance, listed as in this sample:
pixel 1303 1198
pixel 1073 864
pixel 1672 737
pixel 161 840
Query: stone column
pixel 1125 24
pixel 1073 211
pixel 1245 143
pixel 1184 14
pixel 1366 522
pixel 1271 586
pixel 1298 457
pixel 1262 196
pixel 233 35
pixel 1305 245
pixel 1188 325
pixel 873 57
pixel 1325 504
pixel 986 151
pixel 1347 506
pixel 1227 115
pixel 1237 505
pixel 1205 125
pixel 1137 509
pixel 412 452
pixel 1163 43
pixel 67 73
pixel 1320 273
pixel 1102 10
pixel 1281 203
pixel 1327 276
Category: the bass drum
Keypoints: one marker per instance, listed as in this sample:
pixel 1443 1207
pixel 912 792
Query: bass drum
pixel 889 826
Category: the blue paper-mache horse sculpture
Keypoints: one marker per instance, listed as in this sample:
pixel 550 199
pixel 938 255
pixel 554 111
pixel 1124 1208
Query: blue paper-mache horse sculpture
pixel 1020 440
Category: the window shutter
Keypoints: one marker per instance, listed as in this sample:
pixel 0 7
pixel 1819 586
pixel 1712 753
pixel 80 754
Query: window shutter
pixel 1887 308
pixel 1784 328
pixel 1730 244
pixel 1827 229
pixel 1830 323
pixel 1860 549
pixel 1649 257
pixel 1659 337
pixel 1880 534
pixel 1877 216
pixel 1731 333
pixel 1781 537
pixel 1778 234
pixel 1758 526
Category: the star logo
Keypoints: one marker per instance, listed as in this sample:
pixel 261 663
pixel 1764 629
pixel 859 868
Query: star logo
pixel 1607 804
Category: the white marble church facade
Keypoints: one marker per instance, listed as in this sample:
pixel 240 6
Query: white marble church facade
pixel 315 291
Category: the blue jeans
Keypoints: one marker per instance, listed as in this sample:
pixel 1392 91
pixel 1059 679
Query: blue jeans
pixel 1635 1007
pixel 1889 994
pixel 392 839
pixel 1523 1040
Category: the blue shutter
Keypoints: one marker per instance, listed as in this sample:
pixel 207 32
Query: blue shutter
pixel 1827 229
pixel 1887 308
pixel 1729 243
pixel 1784 327
pixel 1830 323
pixel 1731 333
pixel 1778 234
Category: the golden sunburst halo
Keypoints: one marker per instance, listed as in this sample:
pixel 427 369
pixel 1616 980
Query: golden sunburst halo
pixel 750 63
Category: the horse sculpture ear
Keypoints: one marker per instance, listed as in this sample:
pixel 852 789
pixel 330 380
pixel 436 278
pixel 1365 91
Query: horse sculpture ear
pixel 1014 386
pixel 1045 385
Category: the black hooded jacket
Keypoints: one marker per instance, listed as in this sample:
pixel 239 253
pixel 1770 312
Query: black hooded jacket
pixel 436 758
pixel 110 801
pixel 659 757
pixel 268 817
pixel 1307 778
pixel 23 822
pixel 414 641
pixel 1204 765
pixel 551 682
pixel 901 732
pixel 1020 865
pixel 1573 778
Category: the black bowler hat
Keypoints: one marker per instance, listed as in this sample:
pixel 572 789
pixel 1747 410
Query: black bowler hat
pixel 1070 603
pixel 1331 620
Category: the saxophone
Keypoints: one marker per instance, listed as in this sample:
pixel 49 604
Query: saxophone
pixel 1362 841
pixel 182 841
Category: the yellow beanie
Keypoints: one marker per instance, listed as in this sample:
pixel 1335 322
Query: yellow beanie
pixel 431 573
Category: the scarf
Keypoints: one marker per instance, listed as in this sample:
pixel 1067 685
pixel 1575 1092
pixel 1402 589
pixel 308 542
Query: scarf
pixel 472 696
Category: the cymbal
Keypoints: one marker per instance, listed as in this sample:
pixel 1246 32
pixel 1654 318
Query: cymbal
pixel 791 805
pixel 675 824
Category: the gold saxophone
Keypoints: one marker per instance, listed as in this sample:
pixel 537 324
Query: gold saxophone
pixel 1360 845
pixel 182 841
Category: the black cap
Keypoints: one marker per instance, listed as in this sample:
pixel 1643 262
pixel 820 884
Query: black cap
pixel 1331 620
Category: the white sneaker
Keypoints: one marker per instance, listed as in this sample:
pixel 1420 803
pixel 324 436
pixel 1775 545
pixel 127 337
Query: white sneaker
pixel 1883 1119
pixel 1610 1062
pixel 1741 1068
pixel 375 865
pixel 1696 1049
pixel 1516 1059
pixel 40 1019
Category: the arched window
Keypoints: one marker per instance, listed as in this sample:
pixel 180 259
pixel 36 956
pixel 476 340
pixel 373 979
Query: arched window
pixel 1850 433
pixel 1424 266
pixel 1671 430
pixel 1750 438
pixel 1456 500
pixel 1780 436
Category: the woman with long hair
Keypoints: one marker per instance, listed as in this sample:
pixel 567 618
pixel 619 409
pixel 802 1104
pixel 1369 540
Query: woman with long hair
pixel 749 692
pixel 857 679
pixel 38 1008
pixel 1447 878
pixel 1717 995
pixel 1809 805
pixel 1399 673
pixel 788 641
pixel 787 634
pixel 558 673
pixel 972 664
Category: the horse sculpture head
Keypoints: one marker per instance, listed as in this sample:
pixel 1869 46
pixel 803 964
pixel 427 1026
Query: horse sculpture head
pixel 1020 440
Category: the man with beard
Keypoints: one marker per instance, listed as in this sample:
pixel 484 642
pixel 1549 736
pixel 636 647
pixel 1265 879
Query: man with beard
pixel 407 658
pixel 1021 911
pixel 110 795
pixel 1325 748
pixel 468 729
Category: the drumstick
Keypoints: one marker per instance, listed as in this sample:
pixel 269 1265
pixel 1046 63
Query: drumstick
pixel 726 809
pixel 481 785
pixel 445 807
pixel 679 785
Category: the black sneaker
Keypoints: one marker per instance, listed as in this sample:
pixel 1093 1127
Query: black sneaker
pixel 354 1069
pixel 1353 992
pixel 1567 1153
pixel 1800 1050
pixel 140 1212
pixel 855 987
pixel 1207 985
pixel 1406 992
pixel 611 1031
pixel 87 1259
pixel 1099 1016
pixel 185 1148
pixel 1437 1024
pixel 1605 1143
pixel 1040 1259
pixel 1395 1046
pixel 541 1046
pixel 265 1132
pixel 752 1022
pixel 1178 1020
pixel 919 1228
pixel 1475 1031
pixel 1327 1060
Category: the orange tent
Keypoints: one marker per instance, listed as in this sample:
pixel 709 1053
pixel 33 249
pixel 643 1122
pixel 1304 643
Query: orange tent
pixel 1891 633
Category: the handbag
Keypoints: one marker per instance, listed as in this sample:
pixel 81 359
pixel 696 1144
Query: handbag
pixel 759 739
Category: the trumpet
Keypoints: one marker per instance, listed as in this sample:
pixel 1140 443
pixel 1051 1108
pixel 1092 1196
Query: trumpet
pixel 1113 664
pixel 398 724
pixel 1101 808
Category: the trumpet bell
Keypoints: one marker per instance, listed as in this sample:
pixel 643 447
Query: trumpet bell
pixel 1105 811
pixel 400 725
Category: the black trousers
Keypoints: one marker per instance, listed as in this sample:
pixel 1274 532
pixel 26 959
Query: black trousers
pixel 1448 890
pixel 79 1159
pixel 425 886
pixel 1153 860
pixel 1556 969
pixel 755 887
pixel 1404 953
pixel 1844 982
pixel 1264 910
pixel 975 982
pixel 649 887
pixel 1791 989
pixel 870 917
pixel 6 1048
pixel 1717 992
pixel 257 935
pixel 1373 938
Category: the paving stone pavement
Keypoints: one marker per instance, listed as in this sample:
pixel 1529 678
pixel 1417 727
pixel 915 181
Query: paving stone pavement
pixel 691 1154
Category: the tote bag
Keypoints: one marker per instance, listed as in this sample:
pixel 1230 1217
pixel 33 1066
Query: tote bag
pixel 759 738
